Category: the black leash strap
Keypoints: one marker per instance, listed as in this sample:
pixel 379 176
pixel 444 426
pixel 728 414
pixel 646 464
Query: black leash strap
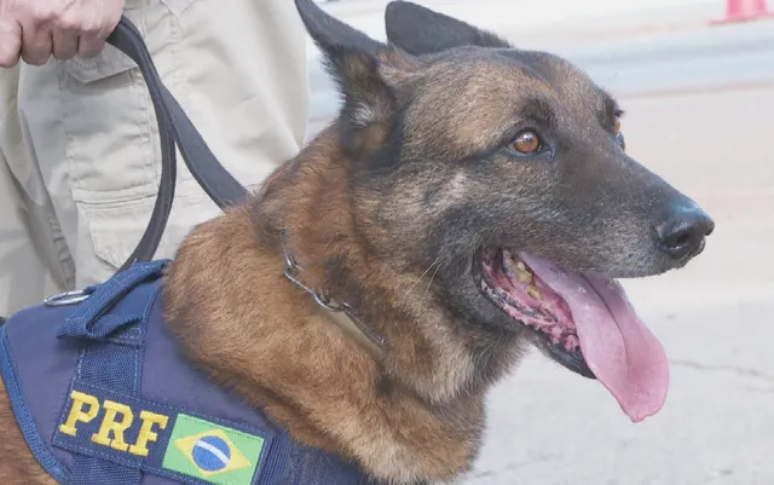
pixel 174 128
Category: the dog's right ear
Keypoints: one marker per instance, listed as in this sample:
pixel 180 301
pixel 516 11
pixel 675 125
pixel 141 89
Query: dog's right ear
pixel 367 71
pixel 419 30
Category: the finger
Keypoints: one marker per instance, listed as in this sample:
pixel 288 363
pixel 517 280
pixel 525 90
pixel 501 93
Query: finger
pixel 92 42
pixel 10 43
pixel 36 43
pixel 65 43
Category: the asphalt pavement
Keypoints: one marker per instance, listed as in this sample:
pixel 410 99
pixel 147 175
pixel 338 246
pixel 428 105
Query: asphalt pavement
pixel 700 104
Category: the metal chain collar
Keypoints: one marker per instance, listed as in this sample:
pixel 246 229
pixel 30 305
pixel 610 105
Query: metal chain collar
pixel 324 300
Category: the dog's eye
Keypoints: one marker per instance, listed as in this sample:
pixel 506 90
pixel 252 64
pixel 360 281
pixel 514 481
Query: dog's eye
pixel 527 142
pixel 617 125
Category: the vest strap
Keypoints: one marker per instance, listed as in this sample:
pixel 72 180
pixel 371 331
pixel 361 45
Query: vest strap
pixel 116 364
pixel 89 320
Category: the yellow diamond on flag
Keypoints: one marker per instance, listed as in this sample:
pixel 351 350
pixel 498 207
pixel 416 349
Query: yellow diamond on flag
pixel 212 453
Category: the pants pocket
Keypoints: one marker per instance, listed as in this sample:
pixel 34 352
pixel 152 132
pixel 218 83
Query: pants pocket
pixel 106 113
pixel 110 232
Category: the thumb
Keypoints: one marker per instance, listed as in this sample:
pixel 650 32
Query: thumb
pixel 10 42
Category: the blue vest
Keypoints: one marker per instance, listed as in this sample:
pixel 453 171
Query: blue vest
pixel 103 395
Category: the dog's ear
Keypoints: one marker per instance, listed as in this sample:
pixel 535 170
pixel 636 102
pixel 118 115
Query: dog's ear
pixel 367 71
pixel 419 30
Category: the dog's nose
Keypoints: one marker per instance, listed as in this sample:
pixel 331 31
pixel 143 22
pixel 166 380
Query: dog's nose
pixel 684 232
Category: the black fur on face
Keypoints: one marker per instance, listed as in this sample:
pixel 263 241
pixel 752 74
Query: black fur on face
pixel 433 120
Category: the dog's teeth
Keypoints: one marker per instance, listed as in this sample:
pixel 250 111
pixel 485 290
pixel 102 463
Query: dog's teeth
pixel 524 276
pixel 534 292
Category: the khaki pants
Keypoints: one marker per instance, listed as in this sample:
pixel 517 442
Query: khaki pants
pixel 79 150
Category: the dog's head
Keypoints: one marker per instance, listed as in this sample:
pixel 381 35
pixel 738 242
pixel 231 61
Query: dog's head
pixel 507 170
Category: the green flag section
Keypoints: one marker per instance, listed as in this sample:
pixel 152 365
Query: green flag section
pixel 213 453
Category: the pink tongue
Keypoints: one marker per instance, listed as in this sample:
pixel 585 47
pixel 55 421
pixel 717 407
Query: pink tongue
pixel 619 349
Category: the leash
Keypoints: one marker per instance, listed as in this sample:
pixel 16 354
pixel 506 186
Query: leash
pixel 175 128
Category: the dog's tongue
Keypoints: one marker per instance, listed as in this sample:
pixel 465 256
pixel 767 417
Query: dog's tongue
pixel 619 349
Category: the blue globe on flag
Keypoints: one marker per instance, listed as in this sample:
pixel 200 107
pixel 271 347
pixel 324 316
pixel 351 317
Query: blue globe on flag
pixel 211 453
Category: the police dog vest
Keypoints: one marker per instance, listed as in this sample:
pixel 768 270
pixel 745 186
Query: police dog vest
pixel 104 396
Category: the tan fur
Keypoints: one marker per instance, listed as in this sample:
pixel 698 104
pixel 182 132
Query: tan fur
pixel 226 288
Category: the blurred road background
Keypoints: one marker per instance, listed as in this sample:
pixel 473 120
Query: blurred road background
pixel 700 112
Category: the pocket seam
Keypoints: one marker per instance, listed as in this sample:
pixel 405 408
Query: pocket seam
pixel 111 249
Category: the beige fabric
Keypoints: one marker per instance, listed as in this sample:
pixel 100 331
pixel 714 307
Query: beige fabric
pixel 79 151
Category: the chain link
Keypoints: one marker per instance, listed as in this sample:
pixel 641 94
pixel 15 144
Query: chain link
pixel 324 300
pixel 321 297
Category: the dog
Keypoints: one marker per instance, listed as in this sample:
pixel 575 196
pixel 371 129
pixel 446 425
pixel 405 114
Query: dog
pixel 472 200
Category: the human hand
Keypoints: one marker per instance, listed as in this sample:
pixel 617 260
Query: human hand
pixel 36 29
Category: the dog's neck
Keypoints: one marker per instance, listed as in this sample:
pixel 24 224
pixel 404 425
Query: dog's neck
pixel 413 416
pixel 340 313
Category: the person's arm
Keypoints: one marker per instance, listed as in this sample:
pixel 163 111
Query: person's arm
pixel 34 30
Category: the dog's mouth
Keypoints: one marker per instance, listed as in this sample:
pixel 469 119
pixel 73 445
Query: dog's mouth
pixel 585 322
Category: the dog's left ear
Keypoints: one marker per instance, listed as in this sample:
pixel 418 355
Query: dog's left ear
pixel 367 71
pixel 419 30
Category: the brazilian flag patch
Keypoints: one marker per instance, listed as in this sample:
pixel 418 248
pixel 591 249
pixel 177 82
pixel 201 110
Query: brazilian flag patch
pixel 212 453
pixel 159 439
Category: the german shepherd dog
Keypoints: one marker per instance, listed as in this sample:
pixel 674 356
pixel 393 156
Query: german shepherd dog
pixel 471 200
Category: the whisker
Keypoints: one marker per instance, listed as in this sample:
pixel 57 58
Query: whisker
pixel 437 260
pixel 431 280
